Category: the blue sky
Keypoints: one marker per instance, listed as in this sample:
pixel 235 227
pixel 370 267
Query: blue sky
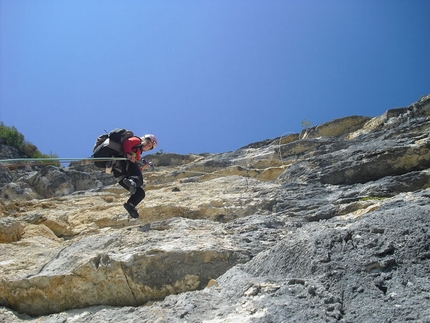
pixel 204 75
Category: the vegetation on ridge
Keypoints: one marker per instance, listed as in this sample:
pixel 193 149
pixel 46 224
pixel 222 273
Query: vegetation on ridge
pixel 12 137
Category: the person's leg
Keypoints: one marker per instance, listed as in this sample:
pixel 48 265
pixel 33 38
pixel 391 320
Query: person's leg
pixel 133 183
pixel 137 197
pixel 121 182
pixel 131 209
pixel 135 174
pixel 132 178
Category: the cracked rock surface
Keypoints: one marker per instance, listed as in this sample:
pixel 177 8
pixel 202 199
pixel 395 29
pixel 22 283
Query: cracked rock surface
pixel 330 225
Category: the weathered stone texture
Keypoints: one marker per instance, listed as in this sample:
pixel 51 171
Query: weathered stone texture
pixel 330 225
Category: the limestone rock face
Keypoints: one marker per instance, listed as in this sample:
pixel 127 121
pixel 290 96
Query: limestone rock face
pixel 121 267
pixel 10 230
pixel 330 225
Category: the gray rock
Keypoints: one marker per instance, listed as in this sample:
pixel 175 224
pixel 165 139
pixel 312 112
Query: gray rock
pixel 333 227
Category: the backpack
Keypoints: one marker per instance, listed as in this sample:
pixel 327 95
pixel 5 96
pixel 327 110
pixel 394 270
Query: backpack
pixel 119 135
pixel 110 145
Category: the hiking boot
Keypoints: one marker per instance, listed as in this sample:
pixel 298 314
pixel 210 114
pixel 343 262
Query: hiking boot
pixel 131 185
pixel 131 209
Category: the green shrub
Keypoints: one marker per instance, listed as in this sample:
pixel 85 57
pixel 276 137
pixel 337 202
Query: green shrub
pixel 13 137
pixel 306 124
pixel 29 150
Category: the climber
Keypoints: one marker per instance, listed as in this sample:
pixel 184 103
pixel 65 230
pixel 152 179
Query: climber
pixel 129 172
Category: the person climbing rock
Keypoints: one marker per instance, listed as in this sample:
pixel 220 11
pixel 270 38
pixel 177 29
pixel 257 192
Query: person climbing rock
pixel 129 172
pixel 123 143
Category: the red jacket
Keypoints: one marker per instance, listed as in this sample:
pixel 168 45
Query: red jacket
pixel 132 145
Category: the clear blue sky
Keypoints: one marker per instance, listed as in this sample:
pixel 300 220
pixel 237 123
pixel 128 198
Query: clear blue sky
pixel 204 75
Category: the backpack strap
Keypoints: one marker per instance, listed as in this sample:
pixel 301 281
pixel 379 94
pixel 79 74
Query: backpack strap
pixel 139 146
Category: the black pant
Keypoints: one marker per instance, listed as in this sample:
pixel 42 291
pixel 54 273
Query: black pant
pixel 132 171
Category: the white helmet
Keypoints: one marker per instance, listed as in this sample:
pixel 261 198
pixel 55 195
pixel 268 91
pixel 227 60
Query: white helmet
pixel 152 138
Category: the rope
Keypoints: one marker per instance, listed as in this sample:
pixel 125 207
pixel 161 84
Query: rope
pixel 29 161
pixel 201 173
pixel 26 161
pixel 61 159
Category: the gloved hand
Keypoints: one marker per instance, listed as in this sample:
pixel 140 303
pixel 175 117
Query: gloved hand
pixel 132 157
pixel 145 162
